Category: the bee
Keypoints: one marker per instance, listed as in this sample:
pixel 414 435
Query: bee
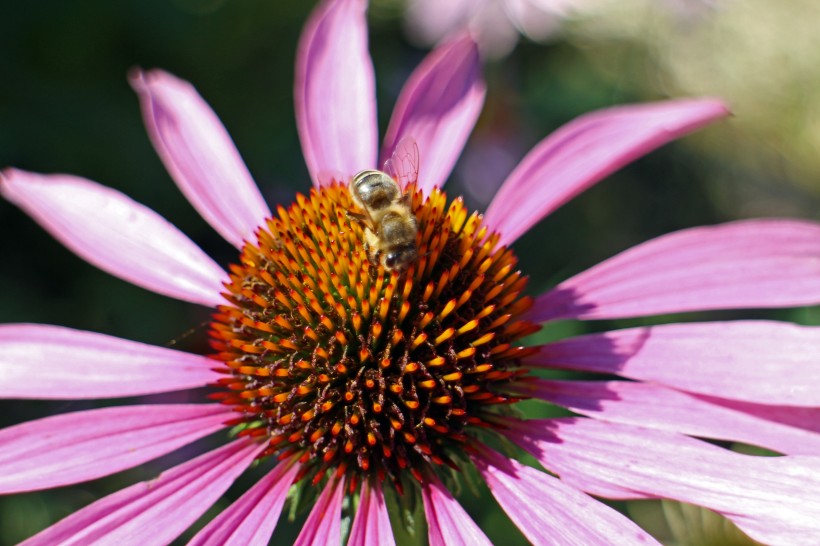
pixel 390 227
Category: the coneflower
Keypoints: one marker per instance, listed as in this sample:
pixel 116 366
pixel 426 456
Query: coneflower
pixel 349 380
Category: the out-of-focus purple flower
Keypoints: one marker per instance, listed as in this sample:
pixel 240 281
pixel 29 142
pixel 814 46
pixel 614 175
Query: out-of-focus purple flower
pixel 350 380
pixel 496 24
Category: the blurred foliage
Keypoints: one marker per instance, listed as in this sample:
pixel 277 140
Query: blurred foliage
pixel 65 106
pixel 678 524
pixel 760 57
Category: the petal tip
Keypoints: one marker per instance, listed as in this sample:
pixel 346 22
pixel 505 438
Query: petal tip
pixel 144 81
pixel 9 177
pixel 136 77
pixel 719 107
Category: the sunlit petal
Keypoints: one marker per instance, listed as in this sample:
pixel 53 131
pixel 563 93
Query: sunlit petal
pixel 116 234
pixel 585 151
pixel 155 511
pixel 200 155
pixel 43 361
pixel 438 107
pixel 335 91
pixel 84 445
pixel 747 264
pixel 753 361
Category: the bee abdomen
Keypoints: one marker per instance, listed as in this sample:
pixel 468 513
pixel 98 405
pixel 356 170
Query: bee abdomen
pixel 375 189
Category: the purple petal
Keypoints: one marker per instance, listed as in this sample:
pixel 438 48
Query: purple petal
pixel 447 522
pixel 653 406
pixel 748 264
pixel 548 511
pixel 438 107
pixel 81 446
pixel 155 511
pixel 586 150
pixel 40 361
pixel 324 523
pixel 763 362
pixel 200 155
pixel 772 499
pixel 372 524
pixel 116 234
pixel 252 518
pixel 335 91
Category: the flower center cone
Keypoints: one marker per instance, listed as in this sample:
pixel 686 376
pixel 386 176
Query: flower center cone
pixel 365 372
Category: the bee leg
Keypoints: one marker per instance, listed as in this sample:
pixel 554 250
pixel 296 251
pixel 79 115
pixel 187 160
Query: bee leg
pixel 372 260
pixel 357 217
pixel 372 253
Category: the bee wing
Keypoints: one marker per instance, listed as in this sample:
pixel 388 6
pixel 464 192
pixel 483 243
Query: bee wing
pixel 403 165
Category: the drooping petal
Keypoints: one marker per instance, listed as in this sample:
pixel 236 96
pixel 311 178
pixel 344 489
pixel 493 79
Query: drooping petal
pixel 52 362
pixel 772 499
pixel 155 511
pixel 586 150
pixel 548 511
pixel 335 91
pixel 116 234
pixel 763 362
pixel 438 107
pixel 447 522
pixel 747 264
pixel 323 526
pixel 200 155
pixel 653 406
pixel 250 520
pixel 372 524
pixel 80 446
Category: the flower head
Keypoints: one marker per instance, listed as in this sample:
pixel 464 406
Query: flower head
pixel 350 380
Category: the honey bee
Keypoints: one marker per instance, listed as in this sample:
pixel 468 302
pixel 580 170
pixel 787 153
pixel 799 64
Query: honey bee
pixel 390 227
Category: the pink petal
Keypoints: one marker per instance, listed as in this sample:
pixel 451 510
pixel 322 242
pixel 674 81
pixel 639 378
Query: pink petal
pixel 372 524
pixel 324 523
pixel 252 518
pixel 80 446
pixel 200 155
pixel 116 234
pixel 447 522
pixel 749 264
pixel 335 91
pixel 653 406
pixel 585 151
pixel 438 107
pixel 40 361
pixel 155 511
pixel 548 511
pixel 772 499
pixel 764 362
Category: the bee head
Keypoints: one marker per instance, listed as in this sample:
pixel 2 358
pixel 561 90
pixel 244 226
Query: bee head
pixel 399 258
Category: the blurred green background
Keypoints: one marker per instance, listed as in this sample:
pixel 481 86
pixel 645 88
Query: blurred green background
pixel 65 106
